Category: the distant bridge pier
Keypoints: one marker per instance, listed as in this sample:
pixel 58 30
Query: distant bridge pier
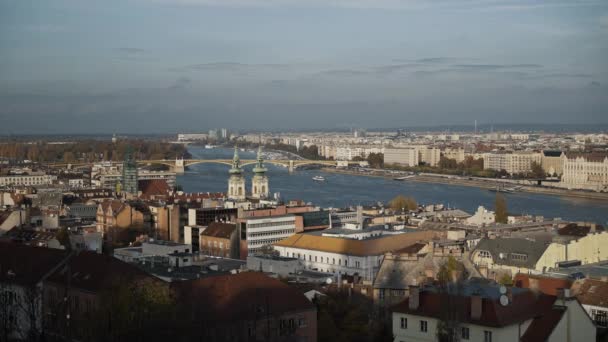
pixel 291 166
pixel 179 166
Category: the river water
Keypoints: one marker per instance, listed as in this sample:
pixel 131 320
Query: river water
pixel 348 190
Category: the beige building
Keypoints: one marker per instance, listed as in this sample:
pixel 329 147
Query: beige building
pixel 513 163
pixel 454 153
pixel 401 156
pixel 429 155
pixel 114 213
pixel 517 255
pixel 585 171
pixel 552 162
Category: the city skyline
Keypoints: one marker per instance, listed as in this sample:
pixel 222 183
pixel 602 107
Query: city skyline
pixel 168 66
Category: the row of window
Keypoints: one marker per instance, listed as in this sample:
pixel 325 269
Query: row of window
pixel 465 332
pixel 270 233
pixel 269 224
pixel 324 259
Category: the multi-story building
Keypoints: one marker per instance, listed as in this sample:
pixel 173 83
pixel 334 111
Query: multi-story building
pixel 401 156
pixel 119 214
pixel 585 171
pixel 129 175
pixel 260 232
pixel 221 240
pixel 480 312
pixel 429 155
pixel 347 255
pixel 454 153
pixel 513 163
pixel 349 152
pixel 32 179
pixel 165 221
pixel 552 162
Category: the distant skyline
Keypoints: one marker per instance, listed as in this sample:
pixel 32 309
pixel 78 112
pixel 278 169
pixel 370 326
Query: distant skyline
pixel 160 66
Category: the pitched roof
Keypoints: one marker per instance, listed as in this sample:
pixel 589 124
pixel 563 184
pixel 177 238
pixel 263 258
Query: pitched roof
pixel 591 292
pixel 219 230
pixel 27 265
pixel 241 296
pixel 347 246
pixel 544 284
pixel 94 272
pixel 542 326
pixel 116 206
pixel 507 247
pixel 400 274
pixel 590 157
pixel 153 187
pixel 524 306
pixel 573 229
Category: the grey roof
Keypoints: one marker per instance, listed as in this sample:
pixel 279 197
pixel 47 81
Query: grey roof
pixel 400 274
pixel 509 246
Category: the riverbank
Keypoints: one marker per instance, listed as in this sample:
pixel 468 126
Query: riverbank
pixel 482 184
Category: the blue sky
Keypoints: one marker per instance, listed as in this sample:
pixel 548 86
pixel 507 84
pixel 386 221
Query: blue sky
pixel 69 66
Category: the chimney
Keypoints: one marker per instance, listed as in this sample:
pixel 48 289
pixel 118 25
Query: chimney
pixel 476 306
pixel 414 301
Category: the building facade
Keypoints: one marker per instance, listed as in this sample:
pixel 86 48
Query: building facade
pixel 585 171
pixel 236 182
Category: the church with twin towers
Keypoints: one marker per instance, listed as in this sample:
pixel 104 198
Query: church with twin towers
pixel 236 182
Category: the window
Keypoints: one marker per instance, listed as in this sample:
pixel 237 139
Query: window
pixel 487 336
pixel 381 294
pixel 464 333
pixel 423 326
pixel 301 322
pixel 403 323
pixel 484 254
pixel 600 317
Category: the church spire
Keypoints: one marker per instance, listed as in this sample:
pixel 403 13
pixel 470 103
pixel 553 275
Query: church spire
pixel 259 167
pixel 236 162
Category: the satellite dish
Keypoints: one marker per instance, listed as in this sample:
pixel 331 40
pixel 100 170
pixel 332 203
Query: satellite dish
pixel 503 289
pixel 329 281
pixel 504 300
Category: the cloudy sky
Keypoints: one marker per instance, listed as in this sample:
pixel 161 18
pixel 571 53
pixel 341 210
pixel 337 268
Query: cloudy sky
pixel 83 66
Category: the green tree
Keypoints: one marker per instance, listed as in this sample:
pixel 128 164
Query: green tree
pixel 376 160
pixel 505 279
pixel 500 209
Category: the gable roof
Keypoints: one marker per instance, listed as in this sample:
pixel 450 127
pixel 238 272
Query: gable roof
pixel 153 187
pixel 25 265
pixel 241 296
pixel 219 230
pixel 94 272
pixel 542 326
pixel 399 274
pixel 509 246
pixel 524 306
pixel 347 246
pixel 544 284
pixel 591 292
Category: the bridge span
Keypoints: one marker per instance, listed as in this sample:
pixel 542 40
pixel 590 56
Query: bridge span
pixel 179 165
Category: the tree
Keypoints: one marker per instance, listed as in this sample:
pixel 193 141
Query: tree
pixel 451 276
pixel 500 209
pixel 376 160
pixel 403 203
pixel 537 170
pixel 505 279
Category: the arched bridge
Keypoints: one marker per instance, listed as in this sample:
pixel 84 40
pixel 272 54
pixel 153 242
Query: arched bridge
pixel 179 165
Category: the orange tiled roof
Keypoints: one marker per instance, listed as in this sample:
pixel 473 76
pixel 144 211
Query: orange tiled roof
pixel 375 246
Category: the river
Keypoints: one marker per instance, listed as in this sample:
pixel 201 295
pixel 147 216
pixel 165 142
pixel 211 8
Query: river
pixel 348 190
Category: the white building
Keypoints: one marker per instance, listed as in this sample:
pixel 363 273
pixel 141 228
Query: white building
pixel 33 179
pixel 265 231
pixel 192 136
pixel 485 314
pixel 482 217
pixel 344 255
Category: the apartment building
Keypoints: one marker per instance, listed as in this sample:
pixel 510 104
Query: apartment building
pixel 513 163
pixel 33 179
pixel 401 156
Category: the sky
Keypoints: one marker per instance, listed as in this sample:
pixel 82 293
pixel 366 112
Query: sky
pixel 163 66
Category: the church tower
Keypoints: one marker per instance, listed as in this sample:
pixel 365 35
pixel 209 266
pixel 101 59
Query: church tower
pixel 236 182
pixel 259 183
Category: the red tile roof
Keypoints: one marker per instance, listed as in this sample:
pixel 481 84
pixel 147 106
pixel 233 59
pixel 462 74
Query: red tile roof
pixel 27 265
pixel 524 306
pixel 591 292
pixel 241 296
pixel 219 230
pixel 544 284
pixel 153 187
